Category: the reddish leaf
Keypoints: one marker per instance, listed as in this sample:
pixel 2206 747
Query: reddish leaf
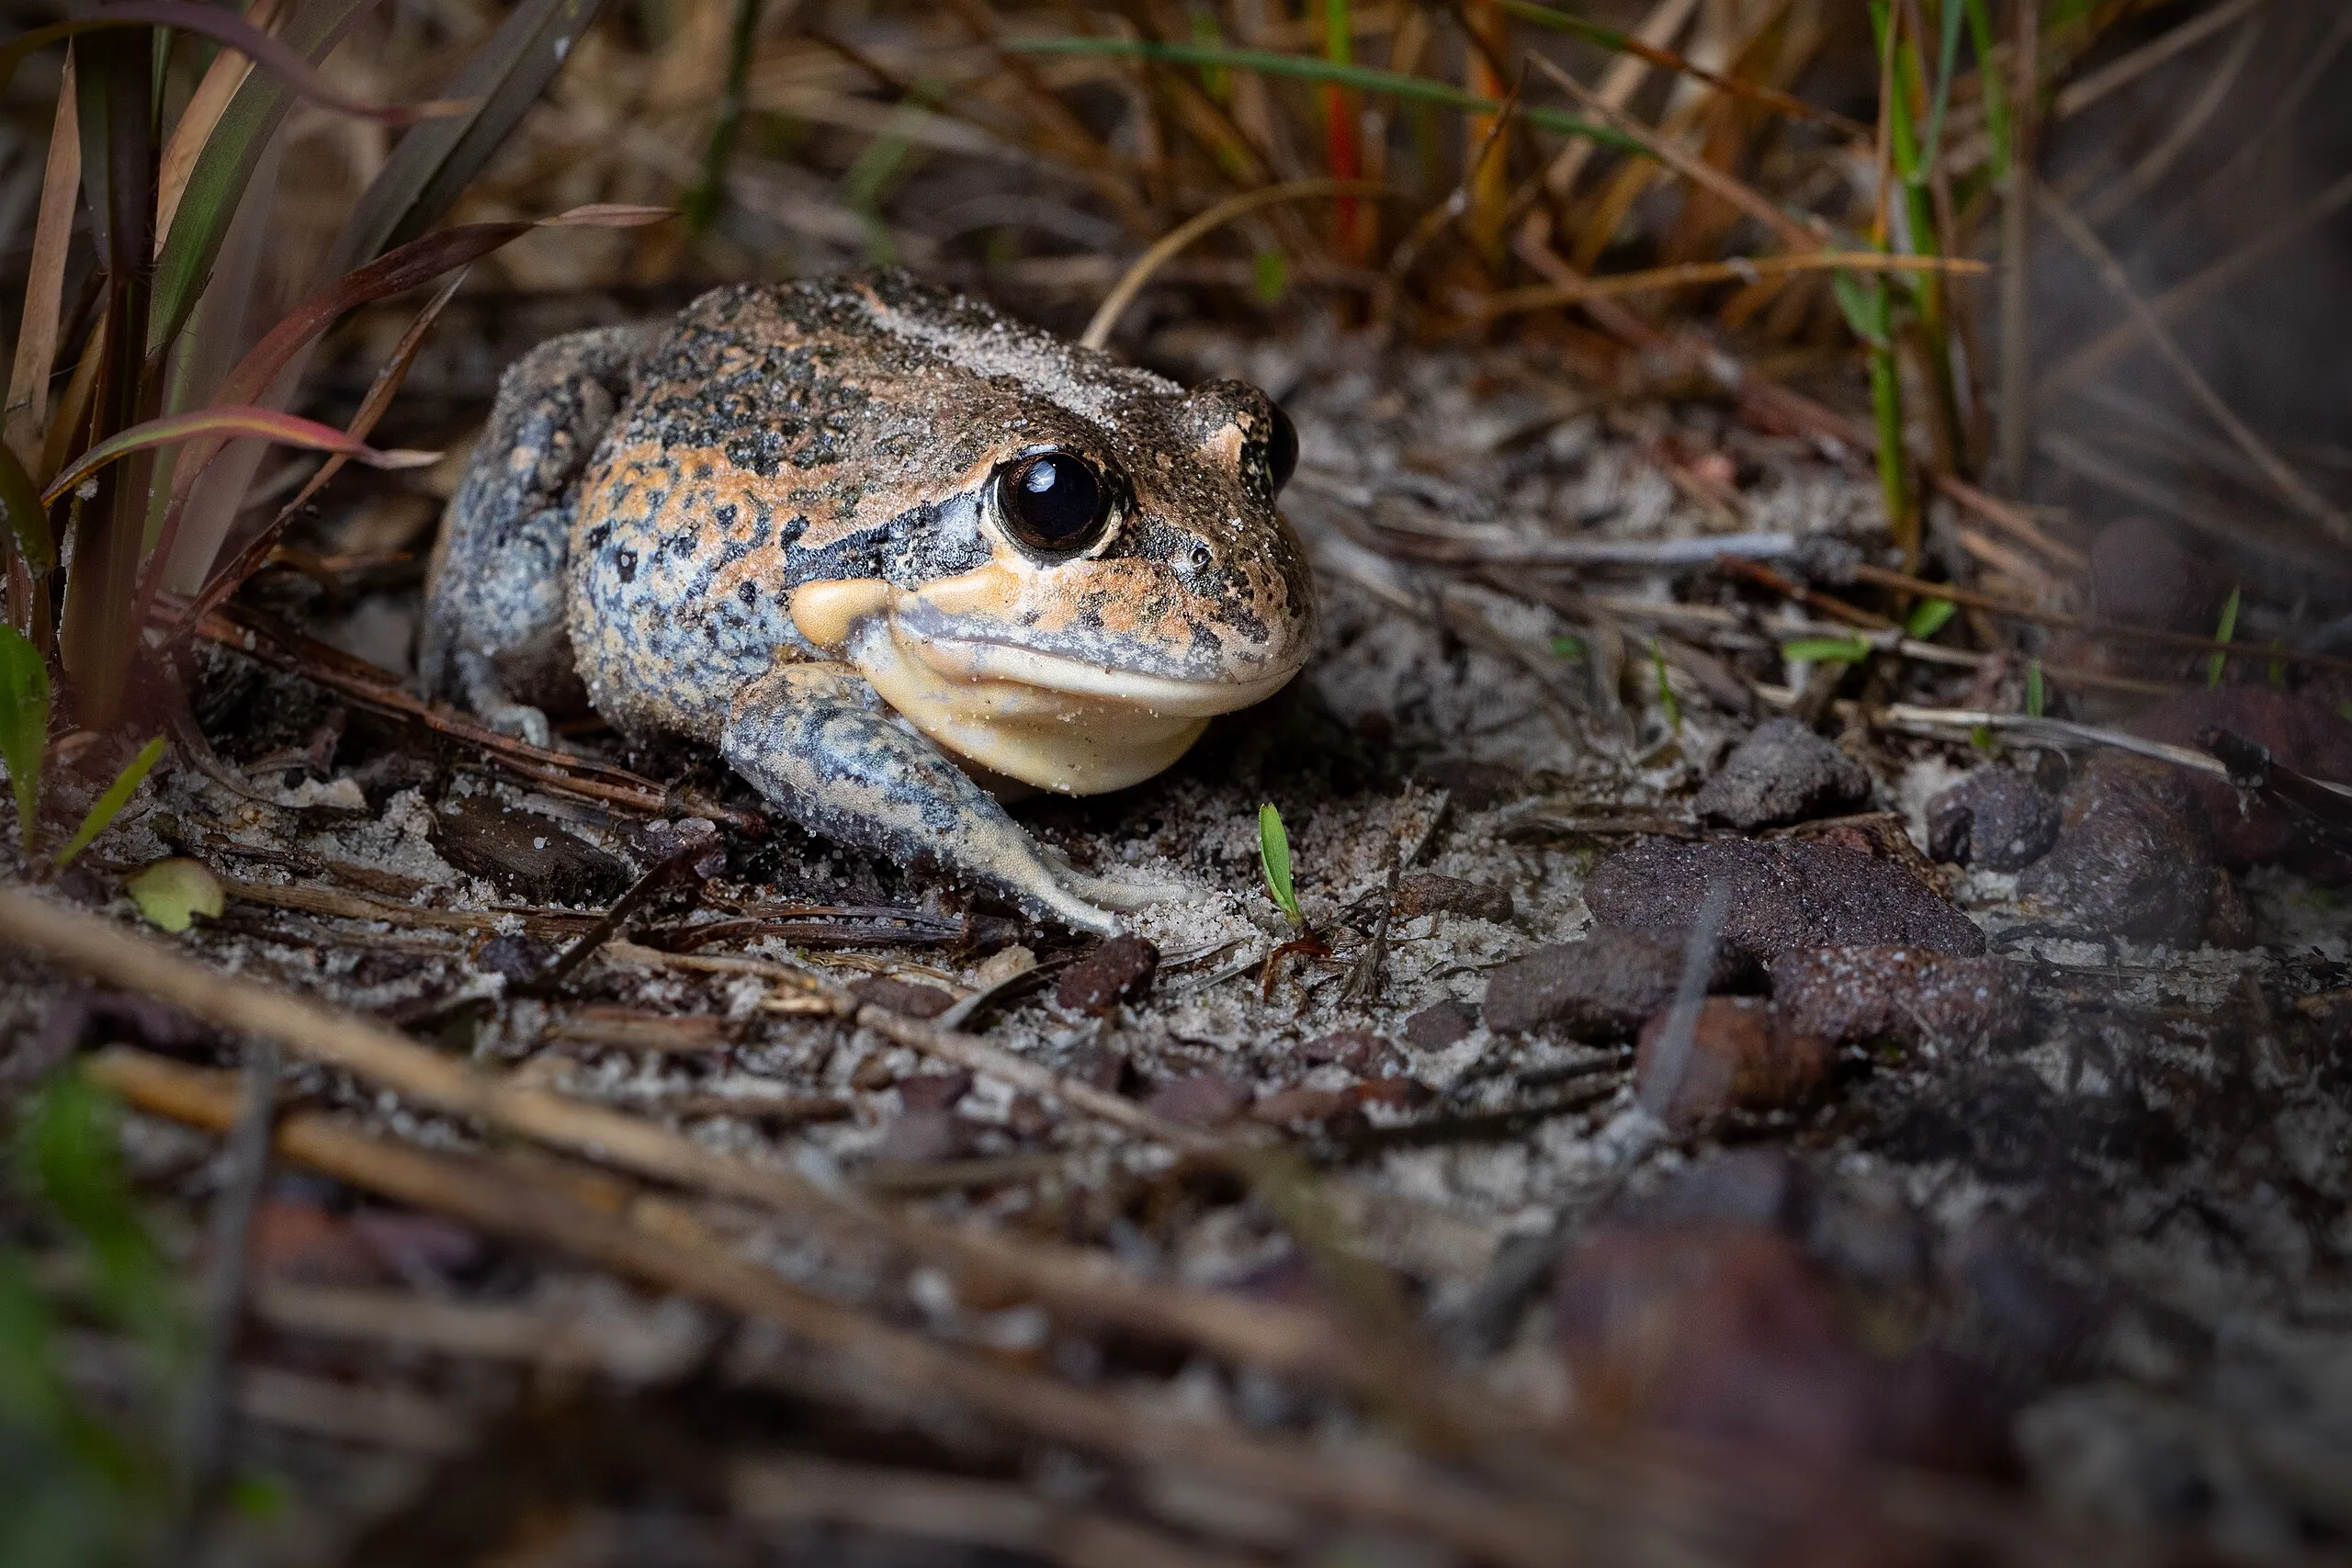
pixel 228 28
pixel 224 423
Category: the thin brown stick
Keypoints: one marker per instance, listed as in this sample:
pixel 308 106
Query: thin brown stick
pixel 2081 95
pixel 2288 484
pixel 1298 1342
pixel 2017 240
pixel 1377 1489
pixel 1738 269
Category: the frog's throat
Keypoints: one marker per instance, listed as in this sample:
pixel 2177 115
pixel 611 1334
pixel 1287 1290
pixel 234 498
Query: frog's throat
pixel 1054 722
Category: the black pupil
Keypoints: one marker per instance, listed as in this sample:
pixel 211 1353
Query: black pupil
pixel 1054 502
pixel 1282 450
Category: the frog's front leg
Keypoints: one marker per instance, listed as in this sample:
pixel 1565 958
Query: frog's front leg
pixel 816 740
pixel 494 631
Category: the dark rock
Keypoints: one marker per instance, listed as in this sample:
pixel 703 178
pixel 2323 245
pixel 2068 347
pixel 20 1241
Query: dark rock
pixel 2140 573
pixel 524 854
pixel 1429 893
pixel 1356 1050
pixel 1784 894
pixel 2136 857
pixel 1440 1025
pixel 934 1091
pixel 1782 772
pixel 1995 818
pixel 1728 1334
pixel 1849 994
pixel 2299 733
pixel 923 1137
pixel 1120 970
pixel 1739 1059
pixel 1202 1100
pixel 1599 988
pixel 907 998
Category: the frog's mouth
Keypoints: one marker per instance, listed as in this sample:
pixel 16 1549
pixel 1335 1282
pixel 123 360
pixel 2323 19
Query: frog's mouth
pixel 1039 716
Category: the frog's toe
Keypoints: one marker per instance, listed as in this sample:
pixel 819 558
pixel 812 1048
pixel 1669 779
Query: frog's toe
pixel 522 721
pixel 1112 895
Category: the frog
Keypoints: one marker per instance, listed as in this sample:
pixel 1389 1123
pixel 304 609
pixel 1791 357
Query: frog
pixel 899 558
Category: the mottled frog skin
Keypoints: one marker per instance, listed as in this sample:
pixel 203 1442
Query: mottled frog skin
pixel 887 550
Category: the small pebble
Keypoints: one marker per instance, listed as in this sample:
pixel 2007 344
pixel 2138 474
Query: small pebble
pixel 1429 893
pixel 1739 1059
pixel 2136 857
pixel 1356 1050
pixel 1599 988
pixel 1202 1100
pixel 1120 970
pixel 907 998
pixel 1784 893
pixel 1436 1027
pixel 1782 772
pixel 1995 818
pixel 1846 995
pixel 934 1091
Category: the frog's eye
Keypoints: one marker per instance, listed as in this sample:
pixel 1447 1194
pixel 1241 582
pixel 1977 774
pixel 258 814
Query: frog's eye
pixel 1054 502
pixel 1282 450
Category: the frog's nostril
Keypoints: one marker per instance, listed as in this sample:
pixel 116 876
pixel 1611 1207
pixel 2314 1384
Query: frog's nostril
pixel 1201 558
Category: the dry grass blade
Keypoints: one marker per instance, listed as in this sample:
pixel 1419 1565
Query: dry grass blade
pixel 1739 269
pixel 61 190
pixel 1335 1481
pixel 1172 244
pixel 2288 484
pixel 200 119
pixel 2186 127
pixel 1618 84
pixel 1795 235
pixel 2083 93
pixel 1297 1342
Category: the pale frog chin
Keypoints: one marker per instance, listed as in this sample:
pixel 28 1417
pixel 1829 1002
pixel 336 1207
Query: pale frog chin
pixel 1071 742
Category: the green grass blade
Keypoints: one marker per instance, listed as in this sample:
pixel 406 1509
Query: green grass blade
pixel 1996 96
pixel 1273 858
pixel 108 806
pixel 1929 617
pixel 28 518
pixel 1946 64
pixel 1311 68
pixel 1665 687
pixel 2220 661
pixel 2037 696
pixel 436 159
pixel 24 726
pixel 1825 650
pixel 703 202
pixel 223 169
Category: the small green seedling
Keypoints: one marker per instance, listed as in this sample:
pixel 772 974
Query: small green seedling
pixel 24 741
pixel 2223 632
pixel 24 725
pixel 1826 650
pixel 1664 689
pixel 2037 700
pixel 1981 737
pixel 1270 277
pixel 1273 856
pixel 1565 647
pixel 1928 617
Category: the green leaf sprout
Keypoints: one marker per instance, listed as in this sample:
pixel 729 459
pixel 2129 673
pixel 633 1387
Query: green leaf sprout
pixel 1273 856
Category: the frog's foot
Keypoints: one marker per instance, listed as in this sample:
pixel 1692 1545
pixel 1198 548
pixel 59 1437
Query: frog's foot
pixel 490 702
pixel 1114 895
pixel 817 742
